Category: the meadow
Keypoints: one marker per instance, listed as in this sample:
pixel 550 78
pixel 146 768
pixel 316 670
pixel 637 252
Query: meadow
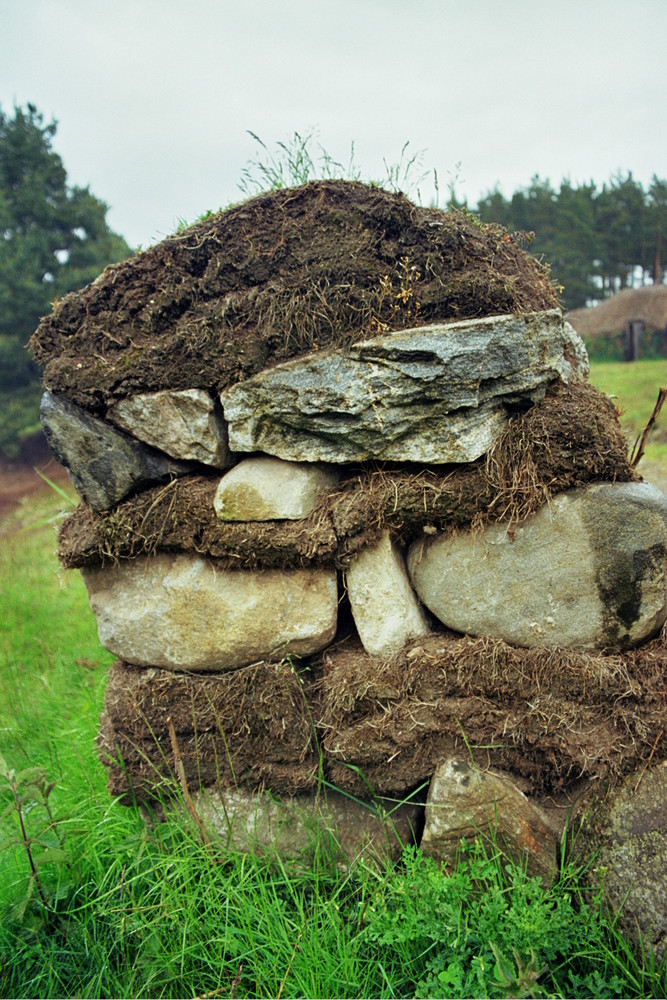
pixel 634 390
pixel 95 901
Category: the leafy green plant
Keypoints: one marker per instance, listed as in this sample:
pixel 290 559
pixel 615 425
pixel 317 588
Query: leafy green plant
pixel 515 977
pixel 39 835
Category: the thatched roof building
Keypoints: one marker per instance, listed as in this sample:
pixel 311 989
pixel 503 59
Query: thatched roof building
pixel 647 305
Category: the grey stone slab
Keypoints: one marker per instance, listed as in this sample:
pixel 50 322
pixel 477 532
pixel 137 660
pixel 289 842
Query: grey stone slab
pixel 184 424
pixel 431 394
pixel 104 464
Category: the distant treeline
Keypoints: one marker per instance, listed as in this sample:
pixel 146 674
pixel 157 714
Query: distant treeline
pixel 597 240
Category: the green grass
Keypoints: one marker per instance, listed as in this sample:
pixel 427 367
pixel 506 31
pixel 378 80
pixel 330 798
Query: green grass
pixel 634 389
pixel 119 908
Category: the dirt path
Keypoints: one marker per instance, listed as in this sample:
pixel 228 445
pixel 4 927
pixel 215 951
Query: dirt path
pixel 20 479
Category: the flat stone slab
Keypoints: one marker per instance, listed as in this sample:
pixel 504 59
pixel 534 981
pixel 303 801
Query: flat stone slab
pixel 104 464
pixel 257 821
pixel 269 489
pixel 466 803
pixel 384 605
pixel 182 613
pixel 588 571
pixel 183 423
pixel 432 394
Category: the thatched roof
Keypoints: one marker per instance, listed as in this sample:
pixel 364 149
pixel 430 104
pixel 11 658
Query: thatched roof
pixel 648 304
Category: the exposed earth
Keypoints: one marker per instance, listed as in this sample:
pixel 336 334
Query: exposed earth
pixel 20 479
pixel 322 265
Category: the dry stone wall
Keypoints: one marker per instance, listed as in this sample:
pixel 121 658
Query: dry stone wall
pixel 417 562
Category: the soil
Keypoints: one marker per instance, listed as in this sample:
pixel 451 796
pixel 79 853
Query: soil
pixel 550 717
pixel 281 274
pixel 250 726
pixel 20 477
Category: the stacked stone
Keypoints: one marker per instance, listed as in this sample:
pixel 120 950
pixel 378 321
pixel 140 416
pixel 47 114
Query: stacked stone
pixel 355 546
pixel 229 677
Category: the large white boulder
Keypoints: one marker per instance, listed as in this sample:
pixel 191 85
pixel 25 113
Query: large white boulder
pixel 181 612
pixel 589 570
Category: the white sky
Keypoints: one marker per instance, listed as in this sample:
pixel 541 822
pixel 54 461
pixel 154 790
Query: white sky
pixel 154 97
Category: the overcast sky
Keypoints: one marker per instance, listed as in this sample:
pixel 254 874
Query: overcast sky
pixel 154 98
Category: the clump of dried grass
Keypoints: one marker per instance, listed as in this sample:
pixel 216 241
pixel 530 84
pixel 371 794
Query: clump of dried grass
pixel 551 716
pixel 247 727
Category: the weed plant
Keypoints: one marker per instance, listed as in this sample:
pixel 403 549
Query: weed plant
pixel 96 902
pixel 302 158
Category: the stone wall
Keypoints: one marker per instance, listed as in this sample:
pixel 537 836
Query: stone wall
pixel 249 678
pixel 405 587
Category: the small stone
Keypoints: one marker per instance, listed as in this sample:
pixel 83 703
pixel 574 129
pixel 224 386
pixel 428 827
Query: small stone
pixel 182 612
pixel 384 605
pixel 182 423
pixel 259 821
pixel 270 489
pixel 588 571
pixel 415 652
pixel 466 803
pixel 433 394
pixel 104 464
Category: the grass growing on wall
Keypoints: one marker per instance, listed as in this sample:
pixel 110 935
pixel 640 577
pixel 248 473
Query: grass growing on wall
pixel 95 903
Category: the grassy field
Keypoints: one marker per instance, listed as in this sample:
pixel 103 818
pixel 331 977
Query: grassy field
pixel 93 902
pixel 634 389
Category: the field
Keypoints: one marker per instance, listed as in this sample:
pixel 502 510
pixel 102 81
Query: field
pixel 634 389
pixel 96 902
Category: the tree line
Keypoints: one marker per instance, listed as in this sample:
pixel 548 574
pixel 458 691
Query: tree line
pixel 597 240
